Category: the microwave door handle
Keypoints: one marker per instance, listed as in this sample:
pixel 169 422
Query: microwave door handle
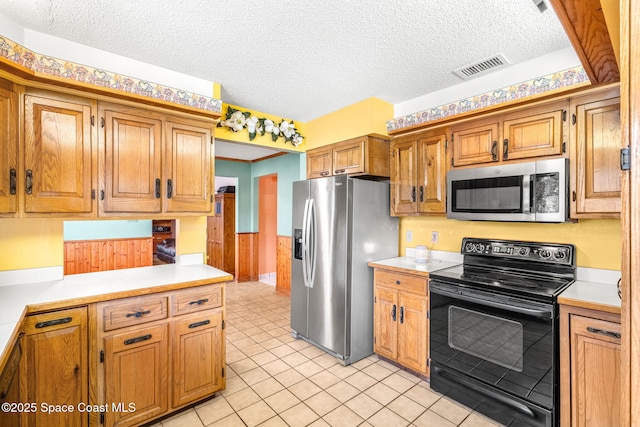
pixel 527 193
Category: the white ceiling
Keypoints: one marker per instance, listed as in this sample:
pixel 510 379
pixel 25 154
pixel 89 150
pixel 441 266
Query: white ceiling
pixel 301 60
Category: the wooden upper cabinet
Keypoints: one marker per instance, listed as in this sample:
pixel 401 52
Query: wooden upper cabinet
pixel 8 149
pixel 188 161
pixel 475 143
pixel 319 162
pixel 418 174
pixel 59 149
pixel 534 132
pixel 132 143
pixel 365 155
pixel 527 133
pixel 595 155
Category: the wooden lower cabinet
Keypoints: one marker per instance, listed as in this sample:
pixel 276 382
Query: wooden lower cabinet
pixel 590 367
pixel 136 373
pixel 157 353
pixel 401 325
pixel 54 367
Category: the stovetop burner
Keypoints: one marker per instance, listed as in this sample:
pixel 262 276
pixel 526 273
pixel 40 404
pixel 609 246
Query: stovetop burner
pixel 531 269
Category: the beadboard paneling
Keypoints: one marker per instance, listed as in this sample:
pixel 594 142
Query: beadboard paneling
pixel 84 256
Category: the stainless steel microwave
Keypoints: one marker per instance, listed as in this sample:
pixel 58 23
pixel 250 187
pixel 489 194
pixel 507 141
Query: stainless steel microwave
pixel 532 192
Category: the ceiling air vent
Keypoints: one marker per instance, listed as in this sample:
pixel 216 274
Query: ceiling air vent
pixel 482 67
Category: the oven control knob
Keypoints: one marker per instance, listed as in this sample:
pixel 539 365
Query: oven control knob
pixel 544 253
pixel 470 247
pixel 480 247
pixel 560 254
pixel 523 251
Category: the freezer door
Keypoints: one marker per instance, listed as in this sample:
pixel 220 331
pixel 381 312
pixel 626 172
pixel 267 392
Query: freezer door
pixel 328 286
pixel 299 293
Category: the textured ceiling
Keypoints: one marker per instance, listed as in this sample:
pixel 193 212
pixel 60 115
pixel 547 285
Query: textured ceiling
pixel 301 60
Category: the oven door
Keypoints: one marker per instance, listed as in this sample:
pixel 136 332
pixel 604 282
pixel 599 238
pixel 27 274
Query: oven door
pixel 494 353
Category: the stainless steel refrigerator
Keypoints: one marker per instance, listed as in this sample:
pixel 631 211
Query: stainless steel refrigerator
pixel 339 225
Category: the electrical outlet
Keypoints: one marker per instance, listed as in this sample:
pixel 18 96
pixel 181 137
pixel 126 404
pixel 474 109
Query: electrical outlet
pixel 434 237
pixel 409 236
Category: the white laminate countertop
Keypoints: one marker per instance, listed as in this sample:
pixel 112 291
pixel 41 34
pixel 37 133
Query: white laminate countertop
pixel 411 266
pixel 597 296
pixel 81 289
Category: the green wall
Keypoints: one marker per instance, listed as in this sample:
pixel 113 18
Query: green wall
pixel 109 229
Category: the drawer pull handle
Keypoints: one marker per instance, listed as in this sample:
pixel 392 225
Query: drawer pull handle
pixel 339 171
pixel 199 302
pixel 55 322
pixel 198 324
pixel 138 313
pixel 137 339
pixel 603 332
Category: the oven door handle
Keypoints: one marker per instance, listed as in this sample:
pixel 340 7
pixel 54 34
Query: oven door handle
pixel 488 393
pixel 534 312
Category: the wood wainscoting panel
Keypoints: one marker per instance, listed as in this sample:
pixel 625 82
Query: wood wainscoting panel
pixel 283 264
pixel 246 257
pixel 84 256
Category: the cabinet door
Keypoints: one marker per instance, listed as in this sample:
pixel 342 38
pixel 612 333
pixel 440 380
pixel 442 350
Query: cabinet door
pixel 403 177
pixel 8 150
pixel 54 368
pixel 319 162
pixel 349 158
pixel 136 372
pixel 537 133
pixel 58 153
pixel 596 158
pixel 432 185
pixel 132 144
pixel 198 346
pixel 188 167
pixel 595 372
pixel 385 315
pixel 475 143
pixel 413 332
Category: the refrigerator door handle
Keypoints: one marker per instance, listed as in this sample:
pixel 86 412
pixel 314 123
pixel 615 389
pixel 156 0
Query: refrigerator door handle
pixel 312 243
pixel 305 243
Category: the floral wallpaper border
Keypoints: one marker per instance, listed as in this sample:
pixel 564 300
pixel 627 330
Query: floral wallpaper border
pixel 561 79
pixel 24 57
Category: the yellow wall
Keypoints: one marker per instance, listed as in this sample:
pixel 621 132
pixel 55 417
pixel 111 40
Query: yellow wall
pixel 191 235
pixel 30 243
pixel 598 242
pixel 361 118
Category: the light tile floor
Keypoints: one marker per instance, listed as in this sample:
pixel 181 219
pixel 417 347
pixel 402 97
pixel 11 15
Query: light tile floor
pixel 276 380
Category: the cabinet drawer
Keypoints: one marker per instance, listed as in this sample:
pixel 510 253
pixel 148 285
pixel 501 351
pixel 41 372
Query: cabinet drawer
pixel 133 311
pixel 196 300
pixel 401 282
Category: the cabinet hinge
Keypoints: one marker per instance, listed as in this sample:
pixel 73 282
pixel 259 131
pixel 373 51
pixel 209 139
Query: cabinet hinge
pixel 211 197
pixel 625 160
pixel 93 120
pixel 223 372
pixel 564 115
pixel 428 362
pixel 446 144
pixel 375 299
pixel 101 417
pixel 428 314
pixel 452 161
pixel 93 194
pixel 223 324
pixel 564 147
pixel 101 356
pixel 374 340
pixel 212 139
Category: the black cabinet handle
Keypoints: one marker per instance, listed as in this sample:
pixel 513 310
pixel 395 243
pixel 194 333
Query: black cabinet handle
pixel 505 149
pixel 13 183
pixel 101 194
pixel 55 322
pixel 494 150
pixel 198 324
pixel 603 332
pixel 138 313
pixel 393 313
pixel 169 188
pixel 413 193
pixel 339 171
pixel 138 339
pixel 401 315
pixel 422 193
pixel 157 188
pixel 199 302
pixel 29 181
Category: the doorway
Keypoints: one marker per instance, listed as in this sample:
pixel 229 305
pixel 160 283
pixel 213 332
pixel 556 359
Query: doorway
pixel 267 228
